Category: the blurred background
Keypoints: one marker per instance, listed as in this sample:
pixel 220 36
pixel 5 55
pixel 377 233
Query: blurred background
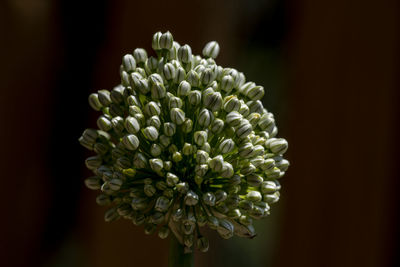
pixel 331 70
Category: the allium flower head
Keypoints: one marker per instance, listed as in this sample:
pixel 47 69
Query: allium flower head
pixel 183 143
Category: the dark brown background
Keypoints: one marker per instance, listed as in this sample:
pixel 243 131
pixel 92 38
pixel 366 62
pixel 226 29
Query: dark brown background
pixel 332 73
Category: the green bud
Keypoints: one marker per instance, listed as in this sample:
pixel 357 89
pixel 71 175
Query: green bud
pixel 150 228
pixel 202 244
pixel 150 133
pixel 188 149
pixel 111 215
pixel 149 190
pixel 139 161
pixel 115 184
pixel 171 179
pixel 211 49
pixel 93 183
pixel 123 162
pixel 130 141
pixel 103 200
pixel 188 240
pixel 163 232
pixel 174 102
pixel 176 157
pixel 166 40
pixel 177 116
pixel 129 63
pixel 187 126
pixel 138 219
pixel 157 218
pixel 90 135
pixel 93 162
pixel 165 140
pixel 139 203
pixel 155 150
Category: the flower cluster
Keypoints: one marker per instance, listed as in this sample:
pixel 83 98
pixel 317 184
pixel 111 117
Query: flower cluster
pixel 184 143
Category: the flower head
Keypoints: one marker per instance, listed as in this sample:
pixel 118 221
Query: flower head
pixel 183 143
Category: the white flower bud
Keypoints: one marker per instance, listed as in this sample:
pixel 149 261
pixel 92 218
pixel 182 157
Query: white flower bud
pixel 225 228
pixel 184 88
pixel 166 40
pixel 194 97
pixel 140 55
pixel 211 49
pixel 158 91
pixel 169 128
pixel 129 63
pixel 177 116
pixel 151 65
pixel 104 97
pixel 117 94
pixel 213 101
pixel 156 41
pixel 93 183
pixel 217 126
pixel 201 170
pixel 244 109
pixel 205 118
pixel 254 118
pixel 171 179
pixel 254 180
pixel 180 75
pixel 185 53
pixel 200 137
pixel 254 196
pixel 271 198
pixel 216 164
pixel 191 198
pixel 255 93
pixel 169 71
pixel 227 170
pixel 131 142
pixel 283 165
pixel 187 149
pixel 227 146
pixel 231 103
pixel 182 187
pixel 234 118
pixel 150 133
pixel 255 106
pixel 154 121
pixel 132 125
pixel 227 83
pixel 94 102
pixel 172 53
pixel 193 78
pixel 278 146
pixel 245 150
pixel 104 123
pixel 156 164
pixel 176 156
pixel 268 187
pixel 207 76
pixel 244 129
pixel 202 157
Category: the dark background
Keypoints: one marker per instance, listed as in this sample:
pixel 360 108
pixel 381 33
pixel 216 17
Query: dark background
pixel 331 69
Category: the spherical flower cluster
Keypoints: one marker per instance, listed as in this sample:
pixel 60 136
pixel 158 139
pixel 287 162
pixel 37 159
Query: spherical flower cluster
pixel 184 143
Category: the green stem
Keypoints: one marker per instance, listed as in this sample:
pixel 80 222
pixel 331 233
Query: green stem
pixel 177 257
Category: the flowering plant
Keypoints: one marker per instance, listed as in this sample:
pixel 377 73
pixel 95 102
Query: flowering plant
pixel 184 143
